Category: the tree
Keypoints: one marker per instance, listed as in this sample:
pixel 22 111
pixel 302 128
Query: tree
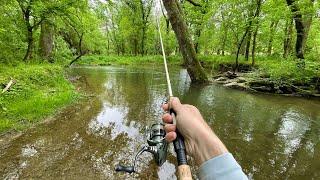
pixel 273 27
pixel 79 25
pixel 32 21
pixel 300 29
pixel 247 30
pixel 46 40
pixel 287 44
pixel 145 8
pixel 194 68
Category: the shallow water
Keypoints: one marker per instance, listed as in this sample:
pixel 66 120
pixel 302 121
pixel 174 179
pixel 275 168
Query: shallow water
pixel 272 137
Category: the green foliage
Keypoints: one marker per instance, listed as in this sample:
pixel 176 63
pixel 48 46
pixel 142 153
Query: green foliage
pixel 129 27
pixel 38 92
pixel 11 43
pixel 62 52
pixel 288 70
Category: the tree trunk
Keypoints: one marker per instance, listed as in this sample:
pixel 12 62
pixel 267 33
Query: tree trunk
pixel 248 44
pixel 30 42
pixel 46 41
pixel 288 38
pixel 273 27
pixel 252 15
pixel 194 68
pixel 224 44
pixel 224 40
pixel 254 43
pixel 248 28
pixel 196 45
pixel 297 16
pixel 143 40
pixel 225 35
pixel 167 21
pixel 256 22
pixel 235 69
pixel 307 25
pixel 145 12
pixel 108 41
pixel 144 27
pixel 135 45
pixel 81 51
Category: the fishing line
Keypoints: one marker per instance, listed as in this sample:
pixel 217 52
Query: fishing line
pixel 164 54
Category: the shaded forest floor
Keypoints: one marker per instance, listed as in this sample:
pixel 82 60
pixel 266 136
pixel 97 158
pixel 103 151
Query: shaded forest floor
pixel 269 74
pixel 39 90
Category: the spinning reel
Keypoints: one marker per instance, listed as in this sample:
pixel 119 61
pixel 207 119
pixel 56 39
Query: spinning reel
pixel 157 146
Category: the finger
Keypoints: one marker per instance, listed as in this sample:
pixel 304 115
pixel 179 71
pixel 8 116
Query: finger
pixel 167 118
pixel 175 104
pixel 165 107
pixel 170 128
pixel 171 136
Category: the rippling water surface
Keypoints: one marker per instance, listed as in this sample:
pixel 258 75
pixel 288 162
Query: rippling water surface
pixel 272 137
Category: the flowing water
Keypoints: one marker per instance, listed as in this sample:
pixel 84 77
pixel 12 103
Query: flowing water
pixel 272 137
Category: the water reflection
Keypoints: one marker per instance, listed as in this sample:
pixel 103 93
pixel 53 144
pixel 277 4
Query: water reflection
pixel 131 101
pixel 271 136
pixel 113 119
pixel 267 134
pixel 292 130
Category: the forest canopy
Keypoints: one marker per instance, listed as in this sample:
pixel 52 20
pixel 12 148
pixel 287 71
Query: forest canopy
pixel 65 30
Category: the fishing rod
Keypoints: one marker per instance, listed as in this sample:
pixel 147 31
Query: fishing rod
pixel 156 143
pixel 184 171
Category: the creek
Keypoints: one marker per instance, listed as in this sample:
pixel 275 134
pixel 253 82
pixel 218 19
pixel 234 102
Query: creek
pixel 272 137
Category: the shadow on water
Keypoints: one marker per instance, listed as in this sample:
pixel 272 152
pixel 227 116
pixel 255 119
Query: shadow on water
pixel 272 137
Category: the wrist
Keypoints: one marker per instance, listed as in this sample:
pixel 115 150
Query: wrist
pixel 208 145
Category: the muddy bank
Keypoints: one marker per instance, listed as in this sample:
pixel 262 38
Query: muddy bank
pixel 249 80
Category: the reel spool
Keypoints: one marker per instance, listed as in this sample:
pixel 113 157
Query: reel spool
pixel 157 146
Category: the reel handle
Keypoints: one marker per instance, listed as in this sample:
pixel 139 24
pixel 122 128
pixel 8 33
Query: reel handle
pixel 127 169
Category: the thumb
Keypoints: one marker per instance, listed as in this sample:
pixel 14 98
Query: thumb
pixel 175 104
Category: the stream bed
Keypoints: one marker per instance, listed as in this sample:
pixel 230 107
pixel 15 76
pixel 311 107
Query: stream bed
pixel 272 137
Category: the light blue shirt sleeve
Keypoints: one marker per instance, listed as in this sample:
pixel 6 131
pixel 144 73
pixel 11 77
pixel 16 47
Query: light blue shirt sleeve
pixel 222 167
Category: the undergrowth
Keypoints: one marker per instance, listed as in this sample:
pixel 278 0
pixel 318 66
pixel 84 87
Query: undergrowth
pixel 278 69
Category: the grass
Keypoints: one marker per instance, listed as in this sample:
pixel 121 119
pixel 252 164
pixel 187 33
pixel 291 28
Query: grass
pixel 40 90
pixel 103 60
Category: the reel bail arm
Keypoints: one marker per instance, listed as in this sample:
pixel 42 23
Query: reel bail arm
pixel 157 146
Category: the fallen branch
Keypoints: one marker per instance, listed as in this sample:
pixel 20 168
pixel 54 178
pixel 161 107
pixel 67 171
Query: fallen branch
pixel 9 85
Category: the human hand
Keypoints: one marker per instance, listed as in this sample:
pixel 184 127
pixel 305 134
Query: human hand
pixel 201 142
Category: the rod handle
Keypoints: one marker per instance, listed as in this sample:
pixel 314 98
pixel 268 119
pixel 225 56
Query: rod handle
pixel 180 149
pixel 184 172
